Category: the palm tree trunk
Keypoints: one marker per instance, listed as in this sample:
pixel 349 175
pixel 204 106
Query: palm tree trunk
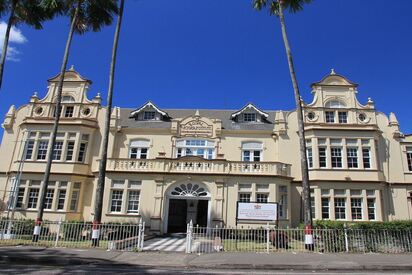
pixel 103 158
pixel 6 40
pixel 302 141
pixel 54 131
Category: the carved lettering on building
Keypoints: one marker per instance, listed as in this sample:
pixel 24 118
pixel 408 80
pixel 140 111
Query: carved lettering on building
pixel 196 128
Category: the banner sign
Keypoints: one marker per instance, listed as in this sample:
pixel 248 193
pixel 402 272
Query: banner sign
pixel 257 211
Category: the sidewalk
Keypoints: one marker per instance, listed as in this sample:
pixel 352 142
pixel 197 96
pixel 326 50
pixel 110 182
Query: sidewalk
pixel 280 261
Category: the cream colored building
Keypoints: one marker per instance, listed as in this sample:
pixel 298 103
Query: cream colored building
pixel 171 166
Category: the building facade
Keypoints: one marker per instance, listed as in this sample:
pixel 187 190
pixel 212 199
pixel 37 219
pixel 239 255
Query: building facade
pixel 171 166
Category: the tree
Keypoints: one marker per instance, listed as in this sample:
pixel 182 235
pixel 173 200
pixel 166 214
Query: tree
pixel 103 156
pixel 21 12
pixel 276 7
pixel 85 15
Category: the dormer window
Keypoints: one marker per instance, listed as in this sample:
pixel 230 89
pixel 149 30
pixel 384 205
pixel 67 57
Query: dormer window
pixel 149 111
pixel 250 113
pixel 249 117
pixel 149 115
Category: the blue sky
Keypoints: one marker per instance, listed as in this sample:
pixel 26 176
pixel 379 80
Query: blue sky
pixel 223 54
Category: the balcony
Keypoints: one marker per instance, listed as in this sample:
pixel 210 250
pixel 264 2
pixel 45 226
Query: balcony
pixel 195 165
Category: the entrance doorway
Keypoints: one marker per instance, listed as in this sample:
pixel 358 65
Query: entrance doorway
pixel 185 203
pixel 177 216
pixel 182 211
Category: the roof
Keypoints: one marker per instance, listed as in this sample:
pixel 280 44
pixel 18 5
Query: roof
pixel 334 79
pixel 223 115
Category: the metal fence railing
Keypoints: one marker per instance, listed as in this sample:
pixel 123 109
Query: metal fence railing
pixel 126 237
pixel 270 239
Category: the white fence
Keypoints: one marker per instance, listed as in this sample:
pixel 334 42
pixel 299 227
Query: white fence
pixel 269 239
pixel 126 237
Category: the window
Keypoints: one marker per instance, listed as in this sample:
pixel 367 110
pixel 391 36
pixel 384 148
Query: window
pixel 42 150
pixel 283 201
pixel 340 208
pixel 371 209
pixel 69 111
pixel 313 207
pixel 149 115
pixel 310 156
pixel 352 157
pixel 48 200
pixel 366 158
pixel 356 208
pixel 133 201
pixel 262 198
pixel 116 202
pixel 20 198
pixel 336 157
pixel 325 208
pixel 57 151
pixel 195 147
pixel 29 149
pixel 330 117
pixel 33 197
pixel 343 117
pixel 409 157
pixel 244 197
pixel 249 117
pixel 61 199
pixel 322 157
pixel 252 151
pixel 70 150
pixel 75 197
pixel 335 104
pixel 67 99
pixel 82 152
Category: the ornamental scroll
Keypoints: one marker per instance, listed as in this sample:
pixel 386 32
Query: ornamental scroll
pixel 196 127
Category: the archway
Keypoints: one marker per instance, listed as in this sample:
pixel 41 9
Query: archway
pixel 186 202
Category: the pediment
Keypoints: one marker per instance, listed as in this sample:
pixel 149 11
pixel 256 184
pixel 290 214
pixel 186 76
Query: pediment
pixel 70 76
pixel 334 79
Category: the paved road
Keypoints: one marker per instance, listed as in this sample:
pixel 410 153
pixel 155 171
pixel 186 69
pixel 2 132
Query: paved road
pixel 94 269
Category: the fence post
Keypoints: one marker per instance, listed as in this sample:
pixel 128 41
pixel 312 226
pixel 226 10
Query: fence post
pixel 189 237
pixel 345 230
pixel 139 240
pixel 58 232
pixel 267 238
pixel 142 236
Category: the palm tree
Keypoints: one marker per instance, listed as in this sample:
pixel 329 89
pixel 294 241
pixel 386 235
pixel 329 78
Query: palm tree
pixel 85 15
pixel 276 8
pixel 103 157
pixel 21 12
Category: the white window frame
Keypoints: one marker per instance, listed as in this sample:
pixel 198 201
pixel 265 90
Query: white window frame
pixel 196 146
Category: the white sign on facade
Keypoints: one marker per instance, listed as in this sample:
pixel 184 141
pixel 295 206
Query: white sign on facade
pixel 257 211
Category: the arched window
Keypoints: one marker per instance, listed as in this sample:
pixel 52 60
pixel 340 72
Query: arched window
pixel 195 147
pixel 139 149
pixel 189 190
pixel 67 99
pixel 252 151
pixel 336 104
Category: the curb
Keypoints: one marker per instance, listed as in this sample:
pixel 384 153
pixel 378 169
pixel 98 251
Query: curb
pixel 101 262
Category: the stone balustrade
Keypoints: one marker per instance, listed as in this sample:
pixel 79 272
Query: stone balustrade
pixel 195 165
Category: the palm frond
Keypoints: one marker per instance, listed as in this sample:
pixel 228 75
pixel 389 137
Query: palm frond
pixel 273 5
